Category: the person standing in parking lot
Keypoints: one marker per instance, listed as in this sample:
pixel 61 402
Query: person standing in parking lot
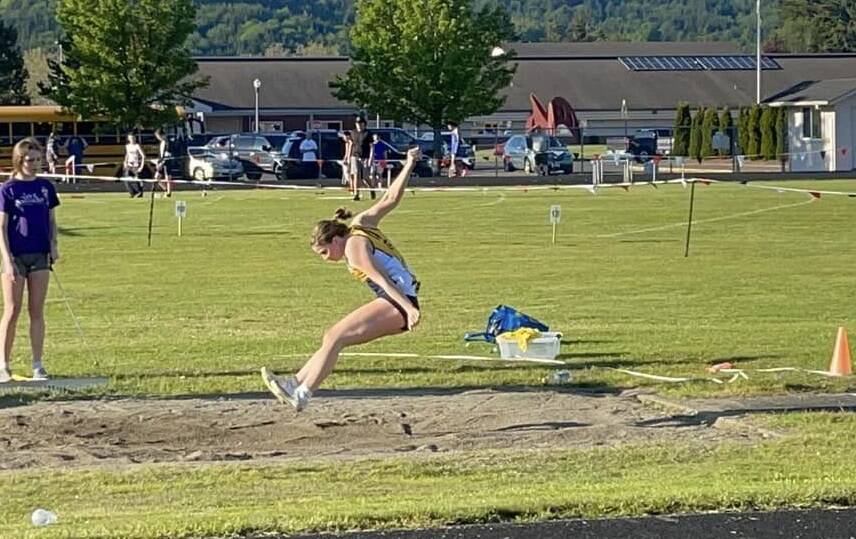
pixel 52 151
pixel 361 158
pixel 309 155
pixel 164 156
pixel 347 152
pixel 135 160
pixel 76 146
pixel 454 144
pixel 379 151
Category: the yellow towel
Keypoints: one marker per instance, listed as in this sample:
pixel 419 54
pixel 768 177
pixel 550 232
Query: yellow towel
pixel 522 336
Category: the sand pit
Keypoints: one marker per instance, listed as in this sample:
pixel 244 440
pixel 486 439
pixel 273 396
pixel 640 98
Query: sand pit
pixel 338 424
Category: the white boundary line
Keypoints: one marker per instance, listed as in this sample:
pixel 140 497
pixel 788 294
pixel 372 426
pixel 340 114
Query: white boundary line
pixel 450 357
pixel 702 221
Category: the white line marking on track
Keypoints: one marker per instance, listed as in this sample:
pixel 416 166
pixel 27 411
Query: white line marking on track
pixel 702 221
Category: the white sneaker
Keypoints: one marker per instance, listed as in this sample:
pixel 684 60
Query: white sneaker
pixel 39 373
pixel 284 389
pixel 5 375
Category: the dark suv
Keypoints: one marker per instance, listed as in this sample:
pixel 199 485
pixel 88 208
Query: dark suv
pixel 331 148
pixel 330 151
pixel 400 139
pixel 258 152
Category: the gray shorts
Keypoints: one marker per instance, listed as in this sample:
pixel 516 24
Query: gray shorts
pixel 26 264
pixel 358 167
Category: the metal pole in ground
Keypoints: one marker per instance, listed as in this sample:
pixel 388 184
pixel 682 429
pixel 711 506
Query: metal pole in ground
pixel 690 220
pixel 495 145
pixel 151 211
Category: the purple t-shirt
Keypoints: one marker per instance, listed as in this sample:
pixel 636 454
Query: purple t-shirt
pixel 27 205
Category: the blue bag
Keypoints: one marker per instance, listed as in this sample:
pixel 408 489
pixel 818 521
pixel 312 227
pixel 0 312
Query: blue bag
pixel 504 319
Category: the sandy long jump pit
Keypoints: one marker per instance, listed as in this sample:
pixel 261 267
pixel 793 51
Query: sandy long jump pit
pixel 338 424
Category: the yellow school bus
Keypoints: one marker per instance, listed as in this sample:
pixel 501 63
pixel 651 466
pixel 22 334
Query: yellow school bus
pixel 106 145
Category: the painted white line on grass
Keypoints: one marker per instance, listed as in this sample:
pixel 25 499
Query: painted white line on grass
pixel 702 221
pixel 452 357
pixel 499 200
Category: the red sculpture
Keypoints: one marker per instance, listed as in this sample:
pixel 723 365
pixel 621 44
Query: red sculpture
pixel 559 112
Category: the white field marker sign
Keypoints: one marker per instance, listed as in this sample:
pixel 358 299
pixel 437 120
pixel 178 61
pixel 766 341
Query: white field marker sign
pixel 180 212
pixel 555 218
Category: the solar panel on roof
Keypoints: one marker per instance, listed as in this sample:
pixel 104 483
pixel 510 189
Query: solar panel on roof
pixel 694 63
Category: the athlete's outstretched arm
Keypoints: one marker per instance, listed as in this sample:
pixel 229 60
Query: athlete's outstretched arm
pixel 372 216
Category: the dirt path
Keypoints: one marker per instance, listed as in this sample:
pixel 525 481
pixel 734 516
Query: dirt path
pixel 338 424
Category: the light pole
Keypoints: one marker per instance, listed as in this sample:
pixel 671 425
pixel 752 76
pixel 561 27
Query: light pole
pixel 624 115
pixel 758 52
pixel 256 85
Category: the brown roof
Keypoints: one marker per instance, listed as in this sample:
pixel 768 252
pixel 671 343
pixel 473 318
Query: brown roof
pixel 623 48
pixel 588 75
pixel 821 91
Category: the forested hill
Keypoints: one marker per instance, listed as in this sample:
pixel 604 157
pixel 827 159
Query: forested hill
pixel 320 26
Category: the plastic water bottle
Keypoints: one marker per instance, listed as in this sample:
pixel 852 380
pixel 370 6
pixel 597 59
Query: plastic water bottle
pixel 43 517
pixel 559 377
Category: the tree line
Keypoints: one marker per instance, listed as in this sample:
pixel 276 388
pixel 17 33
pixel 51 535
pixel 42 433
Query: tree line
pixel 322 26
pixel 760 132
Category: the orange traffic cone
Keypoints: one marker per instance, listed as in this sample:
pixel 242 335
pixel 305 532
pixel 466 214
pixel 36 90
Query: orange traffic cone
pixel 840 364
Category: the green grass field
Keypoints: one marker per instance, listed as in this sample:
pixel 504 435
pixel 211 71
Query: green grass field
pixel 768 281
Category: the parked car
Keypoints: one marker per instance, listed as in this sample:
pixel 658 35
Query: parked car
pixel 207 164
pixel 258 152
pixel 537 153
pixel 465 154
pixel 646 143
pixel 401 140
pixel 330 151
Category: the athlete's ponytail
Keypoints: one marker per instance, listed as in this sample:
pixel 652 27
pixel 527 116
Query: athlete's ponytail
pixel 328 229
pixel 343 214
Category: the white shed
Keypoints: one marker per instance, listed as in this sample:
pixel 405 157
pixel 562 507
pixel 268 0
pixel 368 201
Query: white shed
pixel 821 124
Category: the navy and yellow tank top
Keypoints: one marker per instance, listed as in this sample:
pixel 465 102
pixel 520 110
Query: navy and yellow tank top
pixel 387 257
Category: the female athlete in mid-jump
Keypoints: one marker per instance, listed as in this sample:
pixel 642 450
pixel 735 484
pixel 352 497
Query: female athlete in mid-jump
pixel 373 259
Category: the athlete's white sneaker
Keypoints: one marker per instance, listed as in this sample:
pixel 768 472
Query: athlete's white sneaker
pixel 284 388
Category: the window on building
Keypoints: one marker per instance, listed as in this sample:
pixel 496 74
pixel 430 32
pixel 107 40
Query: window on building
pixel 811 125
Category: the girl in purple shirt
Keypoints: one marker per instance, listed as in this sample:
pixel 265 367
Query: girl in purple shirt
pixel 28 247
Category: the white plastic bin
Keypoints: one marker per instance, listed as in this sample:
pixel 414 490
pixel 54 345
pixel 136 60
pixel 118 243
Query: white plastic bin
pixel 544 347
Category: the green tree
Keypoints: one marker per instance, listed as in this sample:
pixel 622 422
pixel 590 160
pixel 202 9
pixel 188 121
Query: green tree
pixel 125 60
pixel 582 26
pixel 768 133
pixel 782 135
pixel 726 125
pixel 13 74
pixel 818 25
pixel 696 134
pixel 753 129
pixel 708 127
pixel 427 61
pixel 683 125
pixel 743 131
pixel 36 63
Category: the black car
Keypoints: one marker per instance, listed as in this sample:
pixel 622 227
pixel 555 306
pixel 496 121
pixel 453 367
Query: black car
pixel 330 149
pixel 400 139
pixel 642 145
